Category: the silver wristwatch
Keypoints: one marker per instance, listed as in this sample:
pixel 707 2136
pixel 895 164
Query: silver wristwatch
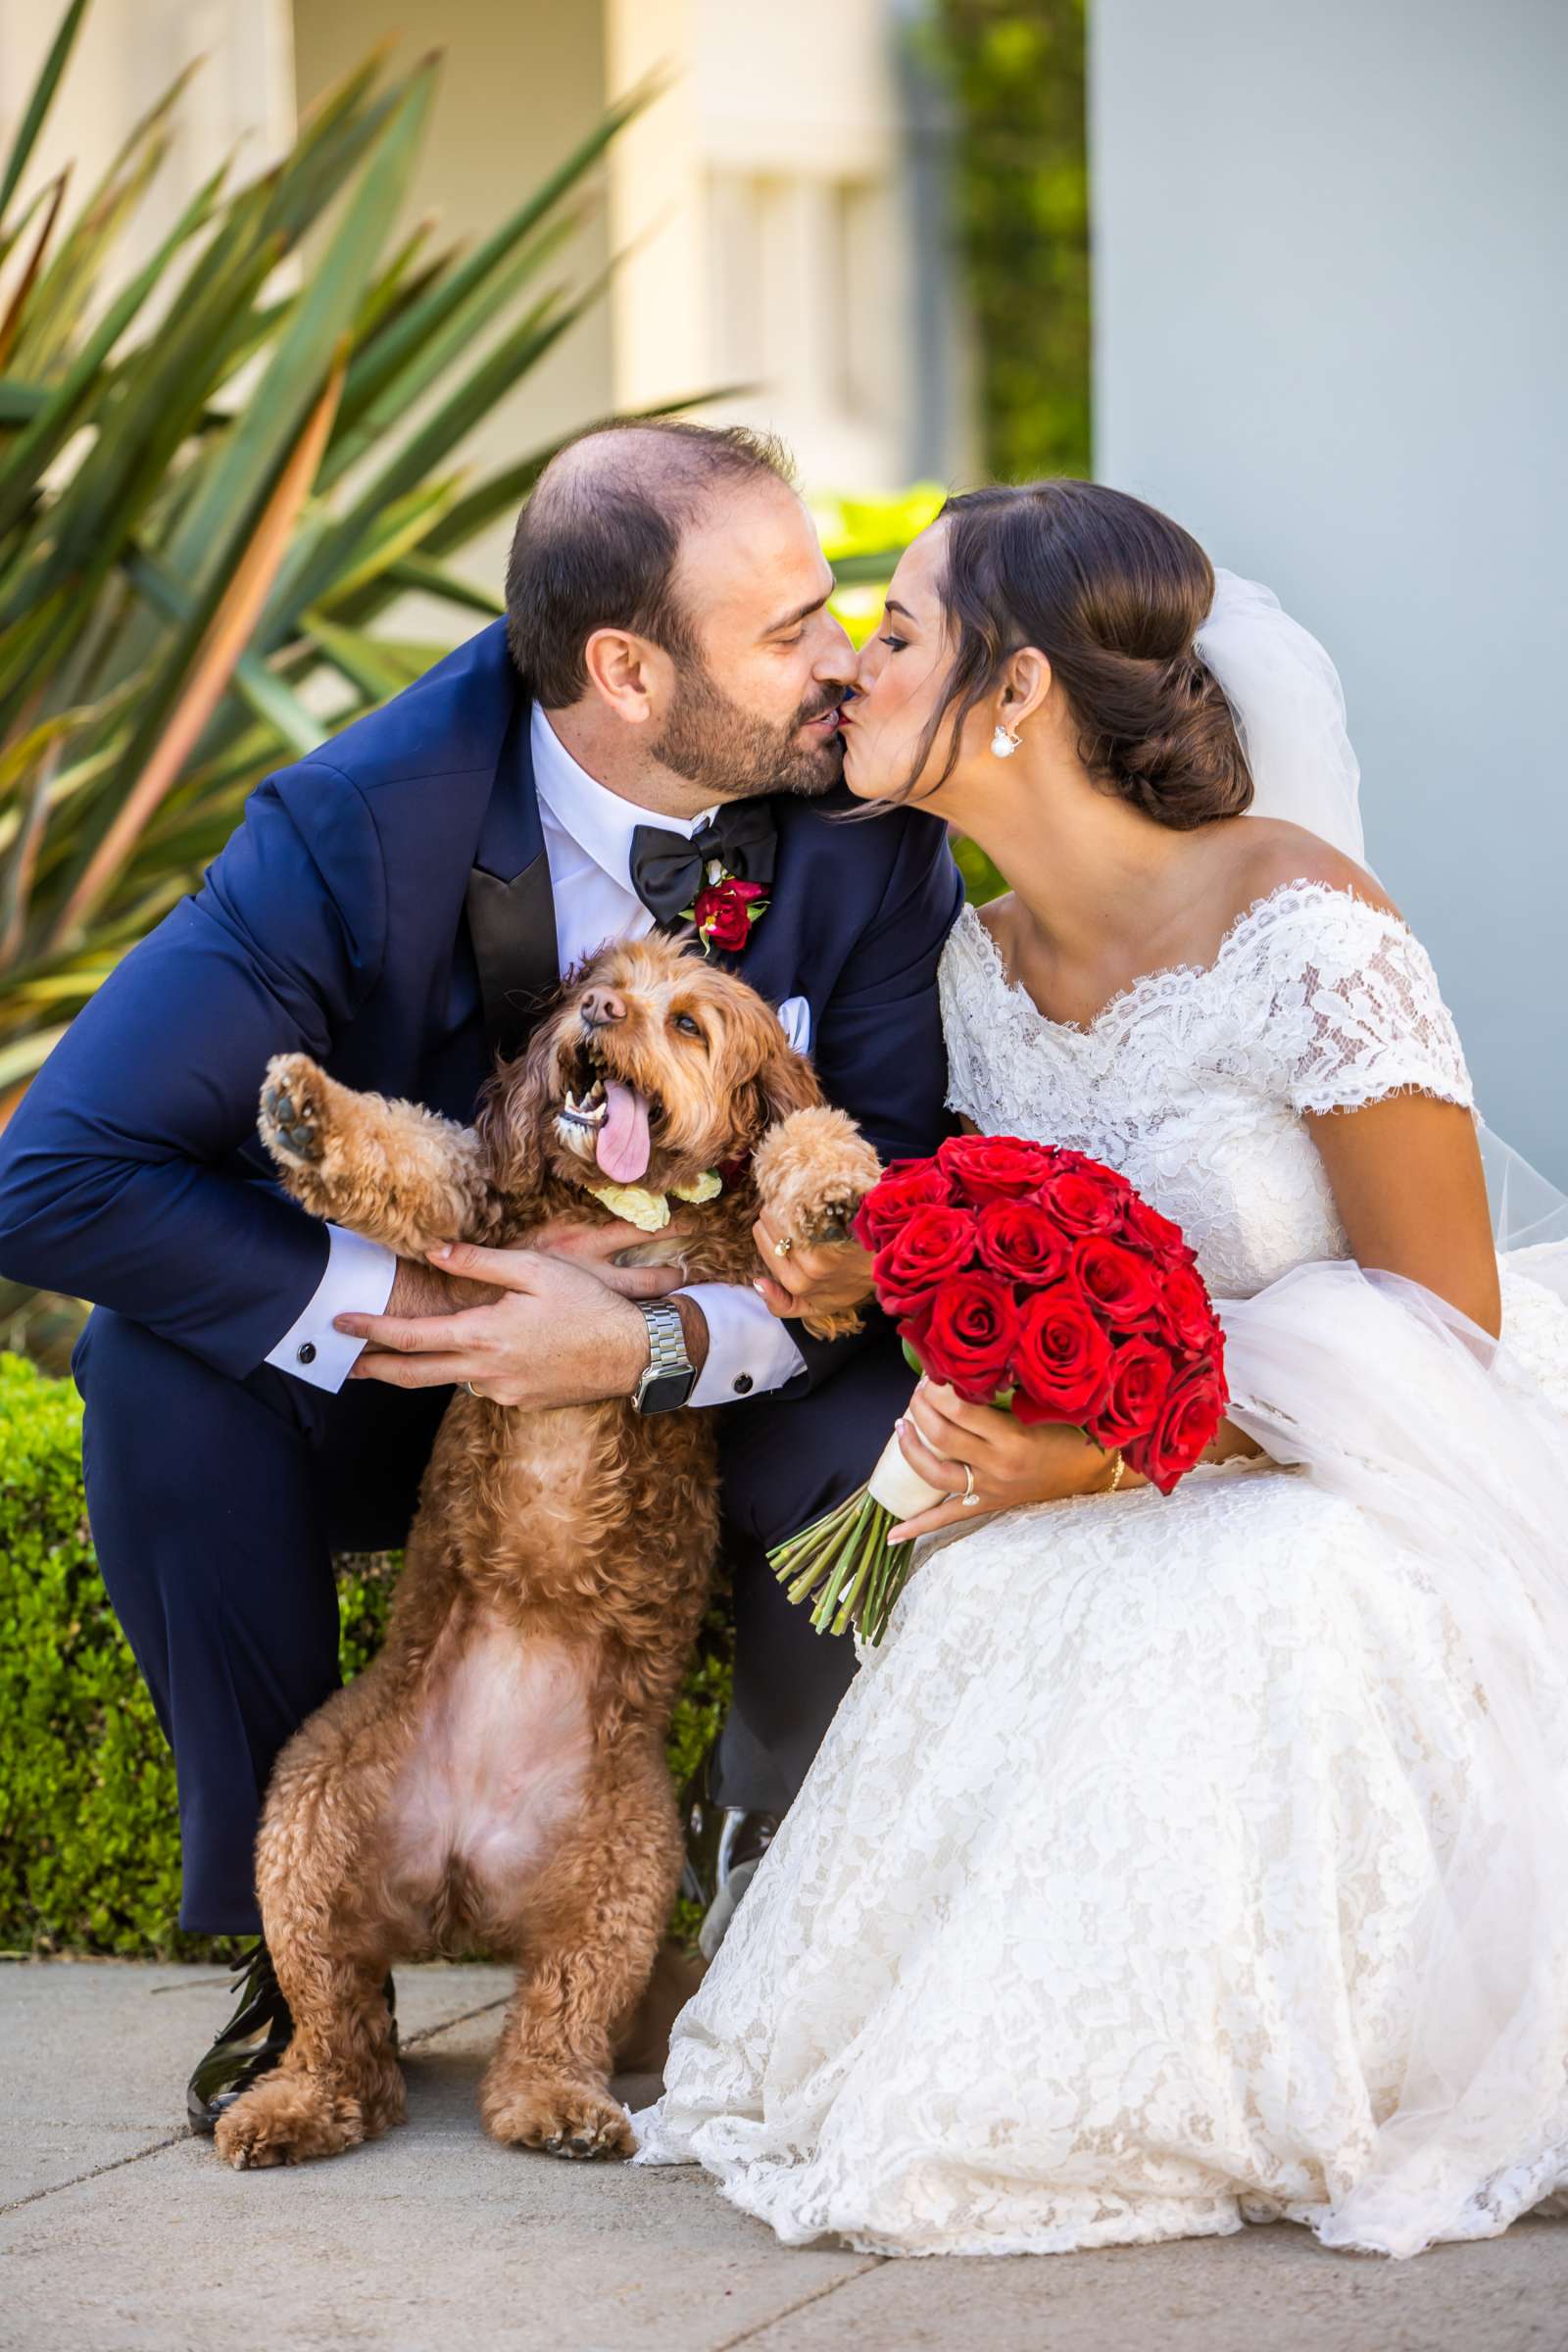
pixel 671 1375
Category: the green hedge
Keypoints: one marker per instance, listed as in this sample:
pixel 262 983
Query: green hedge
pixel 89 1825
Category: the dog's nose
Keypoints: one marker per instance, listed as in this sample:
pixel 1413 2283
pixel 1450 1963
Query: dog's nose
pixel 601 1005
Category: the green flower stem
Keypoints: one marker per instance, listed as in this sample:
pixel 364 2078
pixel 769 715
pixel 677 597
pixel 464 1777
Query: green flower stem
pixel 893 1575
pixel 805 1559
pixel 864 1557
pixel 844 1565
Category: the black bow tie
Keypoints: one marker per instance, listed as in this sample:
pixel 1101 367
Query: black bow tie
pixel 668 870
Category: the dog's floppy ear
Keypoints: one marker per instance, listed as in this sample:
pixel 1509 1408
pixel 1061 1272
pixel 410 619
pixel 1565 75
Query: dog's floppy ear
pixel 787 1082
pixel 508 1117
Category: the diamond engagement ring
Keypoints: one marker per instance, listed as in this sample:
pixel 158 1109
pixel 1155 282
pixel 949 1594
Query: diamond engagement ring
pixel 782 1248
pixel 971 1500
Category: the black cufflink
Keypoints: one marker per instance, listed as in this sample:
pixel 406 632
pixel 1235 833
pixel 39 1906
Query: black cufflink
pixel 743 1384
pixel 307 1354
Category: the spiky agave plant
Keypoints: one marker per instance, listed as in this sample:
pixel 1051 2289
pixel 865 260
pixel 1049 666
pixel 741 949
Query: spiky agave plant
pixel 215 475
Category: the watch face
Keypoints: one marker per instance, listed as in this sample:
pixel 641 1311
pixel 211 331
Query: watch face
pixel 667 1390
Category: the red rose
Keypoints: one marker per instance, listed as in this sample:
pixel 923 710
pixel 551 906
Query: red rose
pixel 931 1244
pixel 1085 1199
pixel 1062 1359
pixel 1185 1311
pixel 1146 1229
pixel 1019 1240
pixel 907 1185
pixel 725 912
pixel 1193 1411
pixel 1140 1381
pixel 1124 1287
pixel 965 1332
pixel 995 1167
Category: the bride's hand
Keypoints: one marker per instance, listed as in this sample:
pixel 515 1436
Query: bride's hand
pixel 940 1435
pixel 827 1280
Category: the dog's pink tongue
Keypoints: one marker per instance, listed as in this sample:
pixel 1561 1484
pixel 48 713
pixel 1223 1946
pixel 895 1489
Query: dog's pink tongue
pixel 623 1146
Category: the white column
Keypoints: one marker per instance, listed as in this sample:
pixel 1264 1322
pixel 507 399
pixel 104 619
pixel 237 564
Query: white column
pixel 661 326
pixel 756 202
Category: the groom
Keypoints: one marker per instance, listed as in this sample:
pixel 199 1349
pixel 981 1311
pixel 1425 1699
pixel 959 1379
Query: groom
pixel 660 704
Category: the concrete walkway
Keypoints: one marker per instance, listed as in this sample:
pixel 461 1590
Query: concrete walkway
pixel 118 2230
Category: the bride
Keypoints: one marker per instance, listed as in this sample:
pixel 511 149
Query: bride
pixel 1181 1862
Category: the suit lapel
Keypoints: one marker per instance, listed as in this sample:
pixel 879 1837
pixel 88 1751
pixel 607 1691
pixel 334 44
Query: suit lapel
pixel 770 961
pixel 510 906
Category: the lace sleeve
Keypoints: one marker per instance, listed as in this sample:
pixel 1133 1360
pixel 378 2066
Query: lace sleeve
pixel 1354 1011
pixel 962 982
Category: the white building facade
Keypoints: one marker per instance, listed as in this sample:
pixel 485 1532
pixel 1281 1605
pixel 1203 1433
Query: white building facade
pixel 1331 244
pixel 771 209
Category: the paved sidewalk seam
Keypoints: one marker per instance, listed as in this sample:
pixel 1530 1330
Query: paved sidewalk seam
pixel 746 2335
pixel 96 2171
pixel 429 2033
pixel 176 2139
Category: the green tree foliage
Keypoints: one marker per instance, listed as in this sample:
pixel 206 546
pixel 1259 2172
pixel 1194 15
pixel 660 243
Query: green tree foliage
pixel 1021 193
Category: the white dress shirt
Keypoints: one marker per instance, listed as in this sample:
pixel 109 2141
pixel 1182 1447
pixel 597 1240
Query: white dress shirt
pixel 587 832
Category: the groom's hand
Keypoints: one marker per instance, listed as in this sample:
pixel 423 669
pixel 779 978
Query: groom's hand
pixel 548 1334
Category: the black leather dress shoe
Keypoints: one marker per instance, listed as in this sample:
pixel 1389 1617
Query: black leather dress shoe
pixel 252 2042
pixel 247 2047
pixel 724 1846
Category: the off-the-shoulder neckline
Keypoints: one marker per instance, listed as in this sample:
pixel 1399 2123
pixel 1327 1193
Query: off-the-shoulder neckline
pixel 1128 999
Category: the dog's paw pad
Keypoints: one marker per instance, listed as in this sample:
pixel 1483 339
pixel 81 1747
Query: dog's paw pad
pixel 293 1120
pixel 294 1129
pixel 828 1219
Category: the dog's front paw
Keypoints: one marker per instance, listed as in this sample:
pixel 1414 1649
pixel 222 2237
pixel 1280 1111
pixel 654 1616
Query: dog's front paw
pixel 574 2119
pixel 287 2119
pixel 294 1119
pixel 812 1172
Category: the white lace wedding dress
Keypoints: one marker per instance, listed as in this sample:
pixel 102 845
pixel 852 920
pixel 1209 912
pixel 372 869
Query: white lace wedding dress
pixel 1176 1863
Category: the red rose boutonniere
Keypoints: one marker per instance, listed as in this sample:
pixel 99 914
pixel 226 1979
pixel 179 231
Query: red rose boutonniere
pixel 725 909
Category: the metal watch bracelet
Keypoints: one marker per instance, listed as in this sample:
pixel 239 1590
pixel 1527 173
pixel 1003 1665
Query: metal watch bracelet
pixel 670 1375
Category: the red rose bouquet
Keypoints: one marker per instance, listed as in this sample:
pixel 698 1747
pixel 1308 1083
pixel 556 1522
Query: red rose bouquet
pixel 1039 1282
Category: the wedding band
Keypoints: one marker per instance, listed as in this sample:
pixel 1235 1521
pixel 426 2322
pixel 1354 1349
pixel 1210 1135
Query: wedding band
pixel 971 1500
pixel 782 1248
pixel 473 1391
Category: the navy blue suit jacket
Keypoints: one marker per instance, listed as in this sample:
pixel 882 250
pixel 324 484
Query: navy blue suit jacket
pixel 385 908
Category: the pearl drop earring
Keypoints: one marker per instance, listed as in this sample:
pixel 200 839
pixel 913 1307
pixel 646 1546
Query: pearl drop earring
pixel 1004 742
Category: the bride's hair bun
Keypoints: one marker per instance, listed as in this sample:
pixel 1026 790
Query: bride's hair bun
pixel 1114 594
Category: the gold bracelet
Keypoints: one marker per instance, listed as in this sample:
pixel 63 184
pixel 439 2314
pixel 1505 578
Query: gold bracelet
pixel 1117 1475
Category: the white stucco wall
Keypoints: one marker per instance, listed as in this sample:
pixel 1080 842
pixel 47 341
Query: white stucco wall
pixel 1331 248
pixel 767 206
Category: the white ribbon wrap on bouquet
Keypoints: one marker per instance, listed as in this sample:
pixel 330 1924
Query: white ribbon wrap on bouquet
pixel 900 1488
pixel 1457 1446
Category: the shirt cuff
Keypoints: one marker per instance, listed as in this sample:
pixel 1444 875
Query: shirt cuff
pixel 357 1281
pixel 748 1349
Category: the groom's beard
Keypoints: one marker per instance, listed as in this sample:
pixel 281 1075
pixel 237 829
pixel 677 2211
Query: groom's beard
pixel 714 743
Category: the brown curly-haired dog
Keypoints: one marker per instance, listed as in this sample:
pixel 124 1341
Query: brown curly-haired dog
pixel 496 1774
